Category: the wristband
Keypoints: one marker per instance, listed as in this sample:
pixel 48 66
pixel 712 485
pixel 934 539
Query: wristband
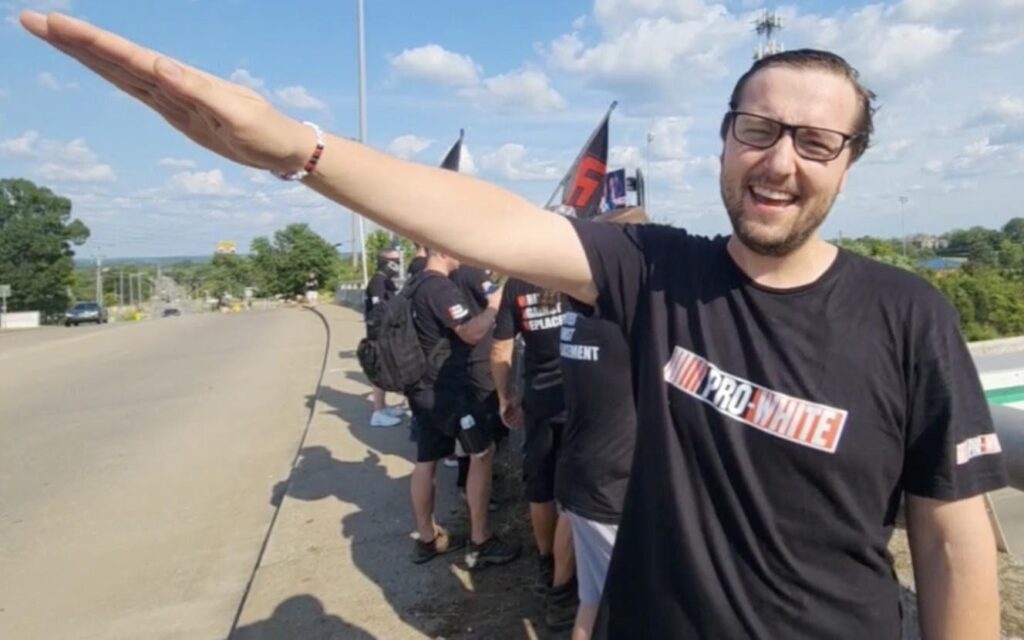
pixel 313 158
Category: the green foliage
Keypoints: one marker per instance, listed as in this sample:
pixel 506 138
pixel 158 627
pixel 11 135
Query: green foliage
pixel 283 266
pixel 36 238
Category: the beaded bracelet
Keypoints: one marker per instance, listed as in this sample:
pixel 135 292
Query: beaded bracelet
pixel 313 158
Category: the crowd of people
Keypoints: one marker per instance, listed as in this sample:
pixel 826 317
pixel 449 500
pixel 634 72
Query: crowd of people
pixel 782 397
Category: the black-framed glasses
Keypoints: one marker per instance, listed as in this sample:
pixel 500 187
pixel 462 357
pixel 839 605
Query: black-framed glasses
pixel 811 143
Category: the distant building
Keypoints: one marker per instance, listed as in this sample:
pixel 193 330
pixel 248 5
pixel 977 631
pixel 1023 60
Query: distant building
pixel 925 241
pixel 227 247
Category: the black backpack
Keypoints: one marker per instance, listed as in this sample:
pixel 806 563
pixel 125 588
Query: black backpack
pixel 390 354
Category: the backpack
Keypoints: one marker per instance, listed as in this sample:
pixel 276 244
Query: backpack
pixel 390 354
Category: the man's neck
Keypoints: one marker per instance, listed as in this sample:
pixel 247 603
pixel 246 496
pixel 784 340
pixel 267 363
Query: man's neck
pixel 439 267
pixel 801 267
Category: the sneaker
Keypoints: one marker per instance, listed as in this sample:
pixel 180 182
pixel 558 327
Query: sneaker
pixel 492 552
pixel 382 419
pixel 560 606
pixel 395 412
pixel 451 462
pixel 545 575
pixel 442 543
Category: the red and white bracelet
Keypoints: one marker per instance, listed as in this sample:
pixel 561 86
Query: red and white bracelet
pixel 313 158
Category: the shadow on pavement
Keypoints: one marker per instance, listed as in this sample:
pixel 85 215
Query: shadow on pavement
pixel 301 617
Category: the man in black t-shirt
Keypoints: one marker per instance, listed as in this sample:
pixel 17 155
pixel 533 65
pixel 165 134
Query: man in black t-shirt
pixel 598 438
pixel 380 288
pixel 418 262
pixel 788 392
pixel 536 315
pixel 476 284
pixel 447 410
pixel 312 289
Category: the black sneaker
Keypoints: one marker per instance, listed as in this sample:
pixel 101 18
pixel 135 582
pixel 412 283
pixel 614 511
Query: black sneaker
pixel 442 543
pixel 492 552
pixel 545 575
pixel 560 606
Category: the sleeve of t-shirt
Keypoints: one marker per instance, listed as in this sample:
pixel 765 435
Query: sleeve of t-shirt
pixel 952 451
pixel 376 291
pixel 505 324
pixel 618 266
pixel 448 304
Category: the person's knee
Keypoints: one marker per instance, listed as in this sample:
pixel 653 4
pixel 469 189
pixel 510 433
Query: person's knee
pixel 486 456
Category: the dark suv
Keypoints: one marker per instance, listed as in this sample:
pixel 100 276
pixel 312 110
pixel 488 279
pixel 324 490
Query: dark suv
pixel 85 312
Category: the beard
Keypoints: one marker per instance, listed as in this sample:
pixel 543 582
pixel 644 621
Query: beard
pixel 778 240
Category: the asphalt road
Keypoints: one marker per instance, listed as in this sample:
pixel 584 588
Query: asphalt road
pixel 137 463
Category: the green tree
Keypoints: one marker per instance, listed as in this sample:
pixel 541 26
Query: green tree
pixel 283 265
pixel 36 238
pixel 229 274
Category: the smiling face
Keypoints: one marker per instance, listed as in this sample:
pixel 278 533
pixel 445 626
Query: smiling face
pixel 775 198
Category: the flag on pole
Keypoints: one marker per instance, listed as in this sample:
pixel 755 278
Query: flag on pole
pixel 451 161
pixel 583 185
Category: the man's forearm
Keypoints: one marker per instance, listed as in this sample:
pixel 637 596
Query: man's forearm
pixel 501 367
pixel 467 218
pixel 956 577
pixel 476 329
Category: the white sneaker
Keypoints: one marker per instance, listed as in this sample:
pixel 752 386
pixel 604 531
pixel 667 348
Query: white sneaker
pixel 451 462
pixel 382 419
pixel 395 412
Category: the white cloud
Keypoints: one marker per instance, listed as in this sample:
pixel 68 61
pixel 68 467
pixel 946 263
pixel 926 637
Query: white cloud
pixel 23 145
pixel 435 64
pixel 210 183
pixel 298 98
pixel 177 163
pixel 523 90
pixel 407 146
pixel 255 176
pixel 4 94
pixel 75 173
pixel 980 157
pixel 668 137
pixel 992 27
pixel 65 162
pixel 49 81
pixel 652 44
pixel 510 162
pixel 243 77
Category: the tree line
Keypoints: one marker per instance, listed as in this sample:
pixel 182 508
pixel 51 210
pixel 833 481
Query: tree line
pixel 984 276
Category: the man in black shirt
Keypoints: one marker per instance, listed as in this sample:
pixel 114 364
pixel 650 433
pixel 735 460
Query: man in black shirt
pixel 536 314
pixel 379 290
pixel 312 288
pixel 597 440
pixel 447 410
pixel 418 262
pixel 788 392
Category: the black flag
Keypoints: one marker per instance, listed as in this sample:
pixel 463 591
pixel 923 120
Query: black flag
pixel 583 185
pixel 451 161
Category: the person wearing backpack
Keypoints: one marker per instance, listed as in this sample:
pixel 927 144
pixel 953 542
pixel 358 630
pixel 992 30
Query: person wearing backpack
pixel 447 410
pixel 379 290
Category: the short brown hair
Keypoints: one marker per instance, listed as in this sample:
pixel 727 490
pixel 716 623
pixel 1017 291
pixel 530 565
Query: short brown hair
pixel 825 61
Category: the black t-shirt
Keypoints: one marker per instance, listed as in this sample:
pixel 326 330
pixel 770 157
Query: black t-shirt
pixel 597 442
pixel 438 307
pixel 474 284
pixel 776 433
pixel 523 311
pixel 312 284
pixel 379 289
pixel 419 263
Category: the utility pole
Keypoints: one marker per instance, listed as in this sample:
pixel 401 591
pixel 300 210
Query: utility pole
pixel 99 280
pixel 903 222
pixel 650 176
pixel 120 290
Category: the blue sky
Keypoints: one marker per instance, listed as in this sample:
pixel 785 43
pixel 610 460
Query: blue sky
pixel 528 81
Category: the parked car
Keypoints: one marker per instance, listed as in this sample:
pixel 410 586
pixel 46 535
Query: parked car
pixel 170 312
pixel 85 312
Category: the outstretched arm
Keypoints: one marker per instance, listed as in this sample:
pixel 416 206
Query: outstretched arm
pixel 464 217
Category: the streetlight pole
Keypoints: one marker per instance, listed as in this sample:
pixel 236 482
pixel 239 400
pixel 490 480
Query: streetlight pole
pixel 99 280
pixel 650 178
pixel 362 122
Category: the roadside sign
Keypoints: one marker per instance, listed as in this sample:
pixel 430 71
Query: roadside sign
pixel 5 291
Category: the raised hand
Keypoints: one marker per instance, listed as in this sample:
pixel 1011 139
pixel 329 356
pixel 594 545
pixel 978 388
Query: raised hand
pixel 228 119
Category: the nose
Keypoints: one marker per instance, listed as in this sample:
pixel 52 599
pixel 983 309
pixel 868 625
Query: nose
pixel 781 156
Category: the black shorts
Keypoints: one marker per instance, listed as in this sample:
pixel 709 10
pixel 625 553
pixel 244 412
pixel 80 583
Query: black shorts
pixel 541 447
pixel 441 420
